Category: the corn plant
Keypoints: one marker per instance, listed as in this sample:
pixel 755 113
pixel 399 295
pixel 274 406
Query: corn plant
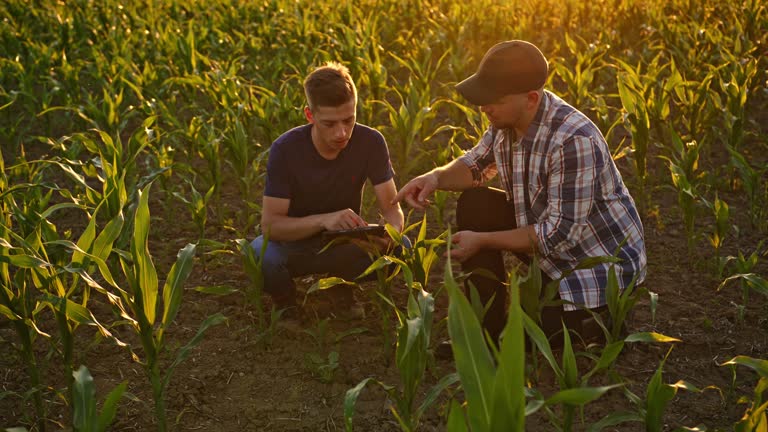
pixel 721 212
pixel 646 101
pixel 495 392
pixel 748 280
pixel 17 304
pixel 141 275
pixel 495 395
pixel 696 103
pixel 386 270
pixel 266 325
pixel 413 337
pixel 649 411
pixel 420 257
pixel 736 87
pixel 751 180
pixel 63 280
pixel 579 76
pixel 324 359
pixel 415 262
pixel 755 417
pixel 683 162
pixel 574 391
pixel 36 276
pixel 85 417
pixel 198 205
pixel 409 123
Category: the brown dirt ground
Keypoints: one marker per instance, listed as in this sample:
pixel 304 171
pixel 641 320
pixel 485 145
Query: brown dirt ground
pixel 231 382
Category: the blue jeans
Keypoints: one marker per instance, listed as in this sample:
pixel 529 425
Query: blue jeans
pixel 285 260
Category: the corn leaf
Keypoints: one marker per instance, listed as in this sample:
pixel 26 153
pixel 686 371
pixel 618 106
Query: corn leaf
pixel 173 287
pixel 456 420
pixel 650 337
pixel 508 404
pixel 109 408
pixel 473 360
pixel 84 400
pixel 758 365
pixel 184 351
pixel 580 395
pixel 145 273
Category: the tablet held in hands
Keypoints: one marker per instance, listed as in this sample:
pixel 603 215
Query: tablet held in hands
pixel 358 233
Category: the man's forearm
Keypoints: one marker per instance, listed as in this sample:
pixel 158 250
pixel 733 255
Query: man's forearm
pixel 519 240
pixel 455 176
pixel 287 228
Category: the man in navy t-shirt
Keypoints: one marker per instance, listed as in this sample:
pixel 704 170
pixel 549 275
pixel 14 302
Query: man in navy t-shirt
pixel 315 179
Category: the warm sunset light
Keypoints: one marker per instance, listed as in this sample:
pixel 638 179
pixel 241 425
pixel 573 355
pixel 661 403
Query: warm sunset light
pixel 384 215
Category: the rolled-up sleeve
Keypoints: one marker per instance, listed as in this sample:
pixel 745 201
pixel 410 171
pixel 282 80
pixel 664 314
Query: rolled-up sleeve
pixel 480 159
pixel 571 190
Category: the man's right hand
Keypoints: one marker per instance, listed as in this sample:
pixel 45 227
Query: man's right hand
pixel 342 220
pixel 417 191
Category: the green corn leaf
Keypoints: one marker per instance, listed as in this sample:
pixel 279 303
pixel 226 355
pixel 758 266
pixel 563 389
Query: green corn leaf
pixel 755 420
pixel 145 273
pixel 326 283
pixel 435 391
pixel 184 351
pixel 614 419
pixel 380 263
pixel 456 420
pixel 102 246
pixel 540 339
pixel 23 261
pixel 473 360
pixel 658 394
pixel 173 288
pixel 52 209
pixel 109 408
pixel 350 399
pixel 84 401
pixel 86 239
pixel 758 365
pixel 74 311
pixel 508 404
pixel 8 313
pixel 650 337
pixel 570 370
pixel 415 326
pixel 607 357
pixel 579 396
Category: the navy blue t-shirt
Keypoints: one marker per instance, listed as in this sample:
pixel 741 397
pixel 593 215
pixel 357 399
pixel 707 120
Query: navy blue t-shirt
pixel 314 185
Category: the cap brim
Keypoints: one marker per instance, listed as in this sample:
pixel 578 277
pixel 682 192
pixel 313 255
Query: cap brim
pixel 476 92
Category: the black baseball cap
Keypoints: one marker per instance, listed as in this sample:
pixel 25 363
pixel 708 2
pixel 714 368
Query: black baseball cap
pixel 509 67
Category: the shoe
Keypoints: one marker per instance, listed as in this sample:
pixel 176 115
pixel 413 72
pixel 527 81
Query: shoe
pixel 292 319
pixel 344 305
pixel 350 312
pixel 444 350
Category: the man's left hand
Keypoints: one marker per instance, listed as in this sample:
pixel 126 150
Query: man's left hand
pixel 465 244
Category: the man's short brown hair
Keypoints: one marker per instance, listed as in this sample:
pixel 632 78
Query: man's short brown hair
pixel 329 85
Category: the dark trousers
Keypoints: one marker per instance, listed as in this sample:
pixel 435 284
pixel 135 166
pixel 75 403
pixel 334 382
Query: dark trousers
pixel 485 209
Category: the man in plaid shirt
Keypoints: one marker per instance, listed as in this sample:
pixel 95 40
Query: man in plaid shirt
pixel 563 197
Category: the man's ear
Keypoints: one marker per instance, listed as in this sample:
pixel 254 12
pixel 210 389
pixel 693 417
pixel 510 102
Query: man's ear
pixel 308 114
pixel 533 98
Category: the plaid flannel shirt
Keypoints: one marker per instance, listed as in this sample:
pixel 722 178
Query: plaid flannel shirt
pixel 579 206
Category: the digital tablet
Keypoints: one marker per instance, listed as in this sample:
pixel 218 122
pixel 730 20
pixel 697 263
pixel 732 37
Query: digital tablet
pixel 359 232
